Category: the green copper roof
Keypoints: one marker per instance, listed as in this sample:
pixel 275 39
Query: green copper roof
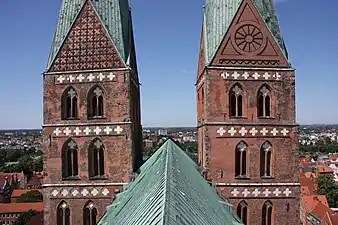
pixel 169 191
pixel 114 14
pixel 218 15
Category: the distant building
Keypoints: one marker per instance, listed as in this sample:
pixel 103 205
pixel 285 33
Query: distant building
pixel 162 132
pixel 10 212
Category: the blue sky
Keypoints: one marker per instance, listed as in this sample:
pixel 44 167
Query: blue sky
pixel 167 37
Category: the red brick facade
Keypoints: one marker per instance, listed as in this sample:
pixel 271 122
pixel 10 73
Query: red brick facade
pixel 90 95
pixel 248 138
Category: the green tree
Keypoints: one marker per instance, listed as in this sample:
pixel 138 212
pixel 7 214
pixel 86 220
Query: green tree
pixel 327 186
pixel 26 165
pixel 38 165
pixel 24 217
pixel 31 196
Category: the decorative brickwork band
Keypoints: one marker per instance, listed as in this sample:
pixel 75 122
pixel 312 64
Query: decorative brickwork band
pixel 262 192
pixel 87 131
pixel 85 78
pixel 78 192
pixel 252 132
pixel 267 75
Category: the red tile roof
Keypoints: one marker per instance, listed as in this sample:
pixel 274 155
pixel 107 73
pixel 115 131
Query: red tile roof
pixel 17 192
pixel 324 169
pixel 20 207
pixel 36 219
pixel 309 184
pixel 320 210
pixel 312 200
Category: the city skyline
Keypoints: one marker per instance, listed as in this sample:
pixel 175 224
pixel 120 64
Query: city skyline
pixel 167 54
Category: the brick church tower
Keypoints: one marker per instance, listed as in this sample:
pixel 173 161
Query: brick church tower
pixel 248 137
pixel 92 131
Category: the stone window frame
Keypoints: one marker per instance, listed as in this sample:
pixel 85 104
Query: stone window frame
pixel 63 216
pixel 242 211
pixel 241 160
pixel 89 214
pixel 266 160
pixel 96 103
pixel 96 165
pixel 69 101
pixel 267 213
pixel 265 100
pixel 236 101
pixel 69 160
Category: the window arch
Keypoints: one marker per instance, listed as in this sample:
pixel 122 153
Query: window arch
pixel 89 214
pixel 96 159
pixel 69 107
pixel 240 159
pixel 267 213
pixel 69 159
pixel 242 212
pixel 236 101
pixel 264 102
pixel 265 159
pixel 63 214
pixel 95 102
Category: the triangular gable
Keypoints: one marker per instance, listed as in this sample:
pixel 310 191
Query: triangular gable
pixel 201 60
pixel 249 42
pixel 87 45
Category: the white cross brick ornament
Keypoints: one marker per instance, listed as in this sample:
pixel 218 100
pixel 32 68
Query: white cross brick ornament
pixel 77 131
pixel 285 131
pixel 97 130
pixel 287 192
pixel 256 192
pixel 277 192
pixel 91 77
pixel 246 192
pixel 94 192
pixel 57 132
pixel 105 192
pixel 221 131
pixel 274 132
pixel 87 131
pixel 101 76
pixel 256 76
pixel 277 76
pixel 266 192
pixel 225 75
pixel 80 78
pixel 111 76
pixel 118 130
pixel 266 75
pixel 67 131
pixel 246 75
pixel 235 75
pixel 71 78
pixel 64 192
pixel 235 192
pixel 55 192
pixel 84 192
pixel 61 79
pixel 243 131
pixel 264 131
pixel 232 131
pixel 107 130
pixel 253 131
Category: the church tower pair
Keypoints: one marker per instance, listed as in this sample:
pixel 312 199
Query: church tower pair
pixel 247 135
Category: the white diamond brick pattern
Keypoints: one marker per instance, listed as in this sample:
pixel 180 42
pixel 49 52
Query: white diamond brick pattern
pixel 245 75
pixel 252 131
pixel 87 131
pixel 85 78
pixel 261 192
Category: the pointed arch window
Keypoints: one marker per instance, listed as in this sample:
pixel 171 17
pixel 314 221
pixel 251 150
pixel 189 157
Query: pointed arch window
pixel 89 214
pixel 69 159
pixel 69 106
pixel 265 160
pixel 236 101
pixel 63 214
pixel 96 159
pixel 267 213
pixel 240 159
pixel 95 103
pixel 264 102
pixel 242 212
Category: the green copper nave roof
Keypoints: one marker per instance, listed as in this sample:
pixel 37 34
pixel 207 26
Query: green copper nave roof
pixel 218 15
pixel 169 191
pixel 113 13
